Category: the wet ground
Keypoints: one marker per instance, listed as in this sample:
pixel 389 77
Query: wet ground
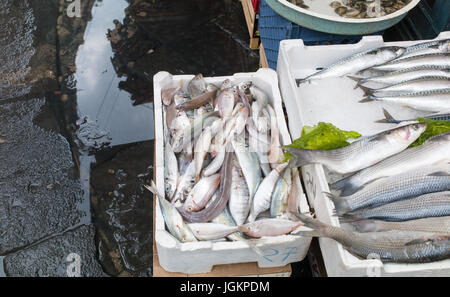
pixel 76 124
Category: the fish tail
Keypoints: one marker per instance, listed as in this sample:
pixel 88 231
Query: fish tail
pixel 346 186
pixel 388 118
pixel 350 217
pixel 367 91
pixel 301 157
pixel 366 99
pixel 299 81
pixel 320 229
pixel 355 78
pixel 341 204
pixel 366 226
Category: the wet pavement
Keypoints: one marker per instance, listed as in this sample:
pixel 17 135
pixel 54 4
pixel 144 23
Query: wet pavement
pixel 76 123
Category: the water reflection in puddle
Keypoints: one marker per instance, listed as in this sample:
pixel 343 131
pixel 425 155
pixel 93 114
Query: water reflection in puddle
pixel 108 110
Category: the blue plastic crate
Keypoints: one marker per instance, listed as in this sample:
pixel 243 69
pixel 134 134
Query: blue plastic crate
pixel 273 28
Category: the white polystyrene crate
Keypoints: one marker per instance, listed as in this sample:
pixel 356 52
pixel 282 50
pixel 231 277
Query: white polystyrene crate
pixel 336 101
pixel 200 257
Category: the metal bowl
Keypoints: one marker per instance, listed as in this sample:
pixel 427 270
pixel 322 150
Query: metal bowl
pixel 336 24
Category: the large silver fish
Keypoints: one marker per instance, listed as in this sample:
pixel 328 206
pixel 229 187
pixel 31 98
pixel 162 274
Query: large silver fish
pixel 427 205
pixel 430 47
pixel 357 62
pixel 399 76
pixel 280 195
pixel 421 84
pixel 435 116
pixel 432 100
pixel 433 225
pixel 427 60
pixel 240 200
pixel 201 193
pixel 362 153
pixel 391 246
pixel 435 150
pixel 409 184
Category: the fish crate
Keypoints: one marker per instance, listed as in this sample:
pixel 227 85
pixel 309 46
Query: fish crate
pixel 335 100
pixel 273 28
pixel 200 257
pixel 251 18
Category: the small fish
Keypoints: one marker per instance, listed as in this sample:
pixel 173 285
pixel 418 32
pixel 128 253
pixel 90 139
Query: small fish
pixel 247 161
pixel 362 153
pixel 211 231
pixel 432 100
pixel 196 86
pixel 406 185
pixel 275 154
pixel 170 168
pixel 427 205
pixel 240 201
pixel 357 62
pixel 225 103
pixel 435 116
pixel 433 225
pixel 280 195
pixel 185 183
pixel 399 76
pixel 167 95
pixel 200 151
pixel 263 195
pixel 174 222
pixel 428 60
pixel 269 227
pixel 198 101
pixel 421 84
pixel 201 193
pixel 391 246
pixel 435 150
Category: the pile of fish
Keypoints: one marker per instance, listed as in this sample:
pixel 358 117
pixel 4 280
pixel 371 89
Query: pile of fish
pixel 361 9
pixel 397 198
pixel 224 170
pixel 417 76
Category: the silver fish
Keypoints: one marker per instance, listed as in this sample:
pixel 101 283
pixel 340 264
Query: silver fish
pixel 435 150
pixel 201 193
pixel 225 218
pixel 406 185
pixel 276 154
pixel 247 161
pixel 174 222
pixel 421 84
pixel 428 60
pixel 170 169
pixel 433 100
pixel 433 225
pixel 225 103
pixel 269 227
pixel 196 86
pixel 240 200
pixel 399 76
pixel 427 205
pixel 200 151
pixel 357 62
pixel 262 198
pixel 211 231
pixel 435 116
pixel 185 183
pixel 362 153
pixel 429 47
pixel 391 246
pixel 280 195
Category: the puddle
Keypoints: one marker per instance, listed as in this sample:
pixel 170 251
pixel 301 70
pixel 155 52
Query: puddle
pixel 100 101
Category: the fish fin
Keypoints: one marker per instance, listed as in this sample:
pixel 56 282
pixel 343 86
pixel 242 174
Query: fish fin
pixel 366 99
pixel 350 217
pixel 340 203
pixel 300 157
pixel 154 190
pixel 357 79
pixel 365 226
pixel 388 118
pixel 299 81
pixel 349 189
pixel 367 91
pixel 309 222
pixel 338 185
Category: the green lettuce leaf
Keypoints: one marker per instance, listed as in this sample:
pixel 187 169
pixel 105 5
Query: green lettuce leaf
pixel 433 128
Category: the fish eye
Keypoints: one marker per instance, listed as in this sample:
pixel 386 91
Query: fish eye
pixel 416 126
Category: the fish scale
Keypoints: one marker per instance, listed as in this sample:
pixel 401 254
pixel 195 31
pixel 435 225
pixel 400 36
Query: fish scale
pixel 428 205
pixel 436 60
pixel 433 225
pixel 409 184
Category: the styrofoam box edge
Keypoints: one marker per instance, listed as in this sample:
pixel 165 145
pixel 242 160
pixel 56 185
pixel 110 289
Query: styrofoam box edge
pixel 200 257
pixel 338 261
